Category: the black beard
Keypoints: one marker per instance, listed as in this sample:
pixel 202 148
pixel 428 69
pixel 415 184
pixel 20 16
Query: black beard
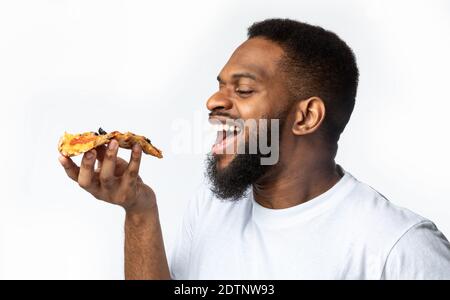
pixel 232 182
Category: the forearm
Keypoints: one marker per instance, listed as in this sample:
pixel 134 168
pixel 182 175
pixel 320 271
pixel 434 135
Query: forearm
pixel 145 257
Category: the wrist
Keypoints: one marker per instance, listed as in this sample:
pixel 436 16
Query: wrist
pixel 139 217
pixel 143 207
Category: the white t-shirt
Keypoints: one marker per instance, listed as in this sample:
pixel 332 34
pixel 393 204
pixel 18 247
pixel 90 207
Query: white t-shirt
pixel 349 232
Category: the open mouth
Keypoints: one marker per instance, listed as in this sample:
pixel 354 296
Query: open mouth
pixel 227 139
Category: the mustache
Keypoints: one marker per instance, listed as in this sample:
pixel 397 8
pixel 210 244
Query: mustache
pixel 222 114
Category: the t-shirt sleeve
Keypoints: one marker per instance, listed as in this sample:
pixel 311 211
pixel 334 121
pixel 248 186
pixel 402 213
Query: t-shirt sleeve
pixel 180 257
pixel 422 252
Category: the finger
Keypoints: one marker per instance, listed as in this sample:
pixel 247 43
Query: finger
pixel 86 175
pixel 132 170
pixel 70 167
pixel 109 165
pixel 121 165
pixel 101 151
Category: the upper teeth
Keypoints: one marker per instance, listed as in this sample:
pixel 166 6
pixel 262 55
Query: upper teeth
pixel 226 127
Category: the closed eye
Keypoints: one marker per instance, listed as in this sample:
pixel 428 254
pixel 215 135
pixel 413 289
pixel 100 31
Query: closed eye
pixel 244 92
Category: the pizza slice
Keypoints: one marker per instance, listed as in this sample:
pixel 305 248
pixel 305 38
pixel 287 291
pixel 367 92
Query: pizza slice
pixel 75 144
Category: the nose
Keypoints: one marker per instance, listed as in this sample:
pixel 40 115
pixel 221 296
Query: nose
pixel 218 101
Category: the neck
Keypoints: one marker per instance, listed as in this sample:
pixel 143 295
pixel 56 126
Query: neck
pixel 295 182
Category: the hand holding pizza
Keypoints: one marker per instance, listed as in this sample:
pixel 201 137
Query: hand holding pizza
pixel 117 181
pixel 114 181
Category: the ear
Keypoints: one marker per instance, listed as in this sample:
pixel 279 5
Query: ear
pixel 308 115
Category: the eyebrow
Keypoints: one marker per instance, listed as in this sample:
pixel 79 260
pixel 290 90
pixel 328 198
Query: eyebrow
pixel 238 76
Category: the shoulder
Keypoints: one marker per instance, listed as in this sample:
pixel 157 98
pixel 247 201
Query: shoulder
pixel 372 221
pixel 405 244
pixel 422 252
pixel 379 214
pixel 403 237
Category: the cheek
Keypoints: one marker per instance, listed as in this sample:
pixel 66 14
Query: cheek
pixel 255 107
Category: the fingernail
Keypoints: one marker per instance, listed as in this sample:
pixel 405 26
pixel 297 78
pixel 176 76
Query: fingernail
pixel 136 148
pixel 89 155
pixel 112 145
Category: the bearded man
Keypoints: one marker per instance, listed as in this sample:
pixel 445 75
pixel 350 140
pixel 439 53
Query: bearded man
pixel 287 213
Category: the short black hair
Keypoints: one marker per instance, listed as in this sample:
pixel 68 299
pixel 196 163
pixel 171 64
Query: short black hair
pixel 318 63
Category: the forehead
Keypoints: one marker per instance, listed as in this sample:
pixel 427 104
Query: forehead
pixel 257 55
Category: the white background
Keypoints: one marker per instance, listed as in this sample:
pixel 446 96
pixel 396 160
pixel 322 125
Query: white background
pixel 141 66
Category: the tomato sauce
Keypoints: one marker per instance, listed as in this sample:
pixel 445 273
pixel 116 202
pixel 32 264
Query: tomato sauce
pixel 82 140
